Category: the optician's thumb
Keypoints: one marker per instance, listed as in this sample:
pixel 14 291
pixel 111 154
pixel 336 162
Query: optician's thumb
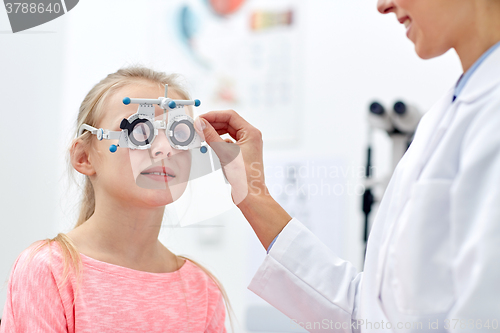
pixel 206 131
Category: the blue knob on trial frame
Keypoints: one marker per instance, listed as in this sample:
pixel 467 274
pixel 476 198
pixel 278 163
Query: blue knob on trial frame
pixel 203 149
pixel 172 104
pixel 112 148
pixel 126 101
pixel 197 102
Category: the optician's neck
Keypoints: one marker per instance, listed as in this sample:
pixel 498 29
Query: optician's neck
pixel 479 34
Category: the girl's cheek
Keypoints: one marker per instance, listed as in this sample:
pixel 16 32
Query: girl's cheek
pixel 138 161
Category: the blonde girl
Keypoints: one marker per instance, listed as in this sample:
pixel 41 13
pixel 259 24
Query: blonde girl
pixel 111 273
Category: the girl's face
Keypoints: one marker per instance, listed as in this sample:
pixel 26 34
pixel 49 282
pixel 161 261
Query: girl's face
pixel 434 26
pixel 126 174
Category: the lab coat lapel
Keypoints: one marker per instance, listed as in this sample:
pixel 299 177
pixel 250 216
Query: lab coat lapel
pixel 429 134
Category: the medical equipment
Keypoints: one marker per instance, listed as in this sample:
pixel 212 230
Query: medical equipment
pixel 400 124
pixel 140 129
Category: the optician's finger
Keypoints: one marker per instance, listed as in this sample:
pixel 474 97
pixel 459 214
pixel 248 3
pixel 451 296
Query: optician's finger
pixel 229 130
pixel 238 128
pixel 206 131
pixel 227 151
pixel 228 119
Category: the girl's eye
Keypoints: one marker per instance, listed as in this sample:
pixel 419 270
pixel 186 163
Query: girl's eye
pixel 141 132
pixel 181 132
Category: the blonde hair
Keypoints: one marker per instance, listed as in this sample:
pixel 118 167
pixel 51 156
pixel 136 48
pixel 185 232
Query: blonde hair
pixel 90 112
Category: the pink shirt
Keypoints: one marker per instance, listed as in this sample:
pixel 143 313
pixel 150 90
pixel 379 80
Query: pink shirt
pixel 111 298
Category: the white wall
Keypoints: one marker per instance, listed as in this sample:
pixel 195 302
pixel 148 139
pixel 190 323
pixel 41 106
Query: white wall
pixel 30 87
pixel 351 55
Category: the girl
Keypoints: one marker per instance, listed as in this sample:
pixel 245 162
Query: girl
pixel 111 273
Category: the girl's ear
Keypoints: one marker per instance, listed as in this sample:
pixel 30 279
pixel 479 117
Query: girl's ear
pixel 80 158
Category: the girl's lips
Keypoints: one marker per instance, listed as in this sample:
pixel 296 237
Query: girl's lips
pixel 156 177
pixel 159 173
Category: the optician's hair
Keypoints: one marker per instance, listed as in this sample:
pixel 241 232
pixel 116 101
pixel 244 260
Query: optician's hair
pixel 91 111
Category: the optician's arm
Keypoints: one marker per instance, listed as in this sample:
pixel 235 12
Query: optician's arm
pixel 306 281
pixel 303 278
pixel 300 276
pixel 271 245
pixel 264 214
pixel 475 216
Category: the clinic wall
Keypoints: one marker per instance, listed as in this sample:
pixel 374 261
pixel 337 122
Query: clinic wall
pixel 30 88
pixel 351 55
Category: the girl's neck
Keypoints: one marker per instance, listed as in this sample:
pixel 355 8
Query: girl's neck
pixel 125 237
pixel 159 261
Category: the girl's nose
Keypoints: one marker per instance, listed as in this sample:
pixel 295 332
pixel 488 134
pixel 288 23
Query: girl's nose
pixel 161 147
pixel 386 6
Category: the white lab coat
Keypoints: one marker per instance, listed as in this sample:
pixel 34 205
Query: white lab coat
pixel 433 255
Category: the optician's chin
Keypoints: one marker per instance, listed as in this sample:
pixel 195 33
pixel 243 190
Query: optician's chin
pixel 426 50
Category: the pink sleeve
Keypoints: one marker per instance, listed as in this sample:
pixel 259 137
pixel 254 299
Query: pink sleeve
pixel 33 301
pixel 217 314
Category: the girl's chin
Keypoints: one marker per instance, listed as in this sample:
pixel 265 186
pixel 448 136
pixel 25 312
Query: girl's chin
pixel 162 197
pixel 159 197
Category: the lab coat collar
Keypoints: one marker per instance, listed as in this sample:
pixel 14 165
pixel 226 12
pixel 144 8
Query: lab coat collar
pixel 486 77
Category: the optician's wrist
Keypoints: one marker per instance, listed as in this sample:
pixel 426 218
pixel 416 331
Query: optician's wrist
pixel 256 198
pixel 271 245
pixel 265 215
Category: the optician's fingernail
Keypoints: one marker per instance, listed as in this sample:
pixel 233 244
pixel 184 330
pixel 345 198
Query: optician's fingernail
pixel 200 124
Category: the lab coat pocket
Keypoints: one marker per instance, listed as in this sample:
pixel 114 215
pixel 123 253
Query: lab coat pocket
pixel 422 276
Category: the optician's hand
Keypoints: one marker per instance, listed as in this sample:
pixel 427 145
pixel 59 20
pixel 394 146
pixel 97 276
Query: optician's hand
pixel 248 144
pixel 245 173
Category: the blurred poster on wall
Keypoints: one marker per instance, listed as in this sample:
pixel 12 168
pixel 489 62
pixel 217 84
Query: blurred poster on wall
pixel 245 56
pixel 273 71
